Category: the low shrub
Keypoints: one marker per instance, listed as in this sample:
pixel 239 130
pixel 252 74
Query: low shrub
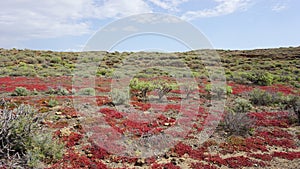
pixel 143 87
pixel 241 77
pixel 163 88
pixel 242 105
pixel 52 103
pixel 265 98
pixel 87 92
pixel 294 104
pixel 237 123
pixel 59 91
pixel 23 143
pixel 218 91
pixel 119 97
pixel 20 91
pixel 260 97
pixel 262 78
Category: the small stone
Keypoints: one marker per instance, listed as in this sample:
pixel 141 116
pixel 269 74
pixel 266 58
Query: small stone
pixel 181 160
pixel 65 132
pixel 89 155
pixel 140 162
pixel 173 154
pixel 146 112
pixel 58 113
pixel 68 117
pixel 166 124
pixel 174 161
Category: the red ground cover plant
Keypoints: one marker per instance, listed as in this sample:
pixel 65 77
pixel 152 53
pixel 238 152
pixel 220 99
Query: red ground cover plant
pixel 239 162
pixel 215 159
pixel 239 88
pixel 268 119
pixel 277 139
pixel 278 88
pixel 74 159
pixel 163 166
pixel 264 157
pixel 141 106
pixel 181 149
pixel 8 84
pixel 287 155
pixel 202 166
pixel 72 140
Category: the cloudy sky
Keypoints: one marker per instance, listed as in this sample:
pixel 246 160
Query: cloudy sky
pixel 66 25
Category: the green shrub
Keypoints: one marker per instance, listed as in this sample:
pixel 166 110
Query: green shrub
pixel 163 88
pixel 242 105
pixel 52 103
pixel 143 87
pixel 44 148
pixel 59 91
pixel 87 92
pixel 119 97
pixel 20 91
pixel 55 59
pixel 294 104
pixel 260 97
pixel 262 78
pixel 265 98
pixel 218 90
pixel 22 144
pixel 241 77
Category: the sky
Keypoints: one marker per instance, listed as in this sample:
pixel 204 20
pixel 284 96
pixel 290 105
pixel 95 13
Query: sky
pixel 68 25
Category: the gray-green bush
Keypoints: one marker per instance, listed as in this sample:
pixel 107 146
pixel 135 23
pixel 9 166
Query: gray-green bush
pixel 22 143
pixel 20 91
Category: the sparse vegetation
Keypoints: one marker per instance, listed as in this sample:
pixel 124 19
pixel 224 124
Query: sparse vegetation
pixel 52 103
pixel 86 92
pixel 20 91
pixel 237 123
pixel 22 143
pixel 262 109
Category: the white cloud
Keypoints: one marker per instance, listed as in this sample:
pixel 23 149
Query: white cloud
pixel 279 7
pixel 168 4
pixel 155 19
pixel 37 19
pixel 223 8
pixel 29 19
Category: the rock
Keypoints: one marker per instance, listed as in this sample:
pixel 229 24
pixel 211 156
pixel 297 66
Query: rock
pixel 65 132
pixel 174 161
pixel 182 160
pixel 140 162
pixel 58 113
pixel 166 124
pixel 173 154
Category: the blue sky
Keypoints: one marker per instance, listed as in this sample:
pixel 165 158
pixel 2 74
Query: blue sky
pixel 228 24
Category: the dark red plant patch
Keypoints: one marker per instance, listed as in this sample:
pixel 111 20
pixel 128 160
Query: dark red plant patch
pixel 72 140
pixel 202 166
pixel 287 155
pixel 164 166
pixel 264 157
pixel 239 162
